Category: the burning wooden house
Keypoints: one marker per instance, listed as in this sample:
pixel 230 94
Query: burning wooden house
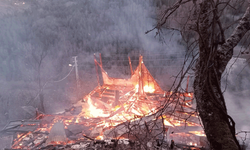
pixel 134 113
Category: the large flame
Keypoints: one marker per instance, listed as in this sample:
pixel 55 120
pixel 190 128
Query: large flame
pixel 94 112
pixel 198 133
pixel 167 123
pixel 123 102
pixel 146 88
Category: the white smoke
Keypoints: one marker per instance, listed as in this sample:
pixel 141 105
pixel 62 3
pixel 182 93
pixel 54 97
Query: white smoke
pixel 237 95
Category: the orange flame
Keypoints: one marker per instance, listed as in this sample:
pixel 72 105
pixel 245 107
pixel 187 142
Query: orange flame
pixel 95 112
pixel 100 137
pixel 198 133
pixel 146 88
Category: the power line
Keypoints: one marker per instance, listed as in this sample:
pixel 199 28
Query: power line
pixel 144 59
pixel 65 76
pixel 146 53
pixel 77 75
pixel 49 82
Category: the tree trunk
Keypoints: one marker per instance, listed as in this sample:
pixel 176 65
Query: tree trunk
pixel 41 97
pixel 219 127
pixel 212 111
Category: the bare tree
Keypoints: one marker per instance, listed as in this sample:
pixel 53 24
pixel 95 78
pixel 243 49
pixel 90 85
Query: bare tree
pixel 36 60
pixel 39 59
pixel 214 53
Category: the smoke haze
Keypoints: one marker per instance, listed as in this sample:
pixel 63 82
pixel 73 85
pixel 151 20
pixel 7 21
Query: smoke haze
pixel 39 37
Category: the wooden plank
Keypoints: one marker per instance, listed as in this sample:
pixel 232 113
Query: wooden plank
pixel 16 125
pixel 22 129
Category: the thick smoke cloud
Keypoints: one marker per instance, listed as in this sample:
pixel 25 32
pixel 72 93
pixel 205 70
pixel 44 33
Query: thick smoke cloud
pixel 60 29
pixel 39 38
pixel 236 84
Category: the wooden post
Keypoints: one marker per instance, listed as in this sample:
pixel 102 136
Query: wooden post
pixel 131 70
pixel 117 97
pixel 187 84
pixel 140 89
pixel 77 74
pixel 100 59
pixel 96 68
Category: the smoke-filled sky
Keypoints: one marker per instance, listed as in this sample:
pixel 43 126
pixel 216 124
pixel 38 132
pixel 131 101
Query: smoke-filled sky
pixel 39 37
pixel 52 31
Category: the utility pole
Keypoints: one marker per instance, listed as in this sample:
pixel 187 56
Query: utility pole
pixel 77 75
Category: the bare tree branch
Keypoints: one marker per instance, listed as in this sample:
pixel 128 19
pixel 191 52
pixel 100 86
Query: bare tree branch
pixel 225 51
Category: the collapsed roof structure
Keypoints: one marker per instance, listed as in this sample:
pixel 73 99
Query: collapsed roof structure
pixel 135 109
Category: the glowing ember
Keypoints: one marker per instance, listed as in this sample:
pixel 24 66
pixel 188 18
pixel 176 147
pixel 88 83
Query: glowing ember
pixel 77 120
pixel 100 137
pixel 136 112
pixel 95 112
pixel 136 87
pixel 171 122
pixel 166 123
pixel 198 133
pixel 193 144
pixel 107 106
pixel 148 89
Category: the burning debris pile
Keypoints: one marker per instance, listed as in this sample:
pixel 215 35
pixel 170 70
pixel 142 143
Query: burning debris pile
pixel 132 113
